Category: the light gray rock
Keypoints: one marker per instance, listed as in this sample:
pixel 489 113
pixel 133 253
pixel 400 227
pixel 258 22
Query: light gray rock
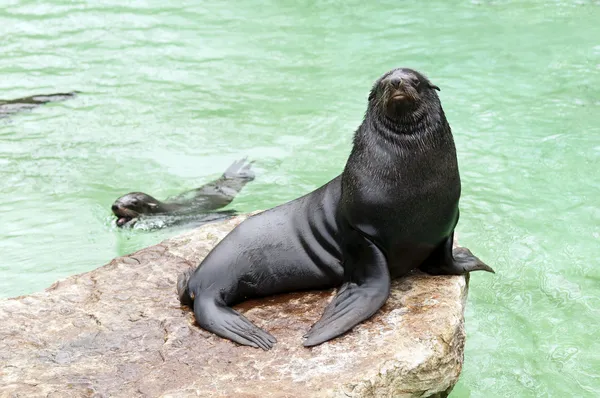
pixel 119 331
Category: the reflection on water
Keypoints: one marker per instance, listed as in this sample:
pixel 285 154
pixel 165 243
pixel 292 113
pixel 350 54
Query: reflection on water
pixel 171 95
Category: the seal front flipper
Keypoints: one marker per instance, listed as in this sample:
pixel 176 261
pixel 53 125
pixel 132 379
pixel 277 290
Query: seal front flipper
pixel 215 316
pixel 446 261
pixel 359 298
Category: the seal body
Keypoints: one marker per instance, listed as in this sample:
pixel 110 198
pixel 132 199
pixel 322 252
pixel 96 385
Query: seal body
pixel 402 190
pixel 191 205
pixel 297 245
pixel 393 209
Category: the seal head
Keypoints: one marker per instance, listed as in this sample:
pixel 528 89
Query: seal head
pixel 403 96
pixel 130 206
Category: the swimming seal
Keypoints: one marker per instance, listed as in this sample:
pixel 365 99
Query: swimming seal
pixel 392 210
pixel 211 196
pixel 26 103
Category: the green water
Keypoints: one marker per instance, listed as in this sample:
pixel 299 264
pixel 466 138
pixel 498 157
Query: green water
pixel 173 94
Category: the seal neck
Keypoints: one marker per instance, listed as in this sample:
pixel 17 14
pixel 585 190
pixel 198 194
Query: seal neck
pixel 419 131
pixel 164 207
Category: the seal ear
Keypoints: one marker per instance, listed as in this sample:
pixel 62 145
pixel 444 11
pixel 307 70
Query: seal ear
pixel 433 86
pixel 374 89
pixel 372 93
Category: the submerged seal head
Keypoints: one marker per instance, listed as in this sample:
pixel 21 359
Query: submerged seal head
pixel 403 96
pixel 134 204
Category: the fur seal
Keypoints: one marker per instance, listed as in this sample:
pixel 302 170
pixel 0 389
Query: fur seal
pixel 211 196
pixel 8 107
pixel 392 210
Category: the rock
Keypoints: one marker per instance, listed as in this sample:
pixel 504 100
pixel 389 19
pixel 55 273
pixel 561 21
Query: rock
pixel 120 331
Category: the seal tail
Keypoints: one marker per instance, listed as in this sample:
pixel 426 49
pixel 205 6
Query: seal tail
pixel 214 315
pixel 183 292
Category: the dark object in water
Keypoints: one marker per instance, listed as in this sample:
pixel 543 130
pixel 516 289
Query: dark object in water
pixel 8 107
pixel 193 204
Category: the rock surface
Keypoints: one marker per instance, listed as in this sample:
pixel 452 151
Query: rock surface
pixel 120 331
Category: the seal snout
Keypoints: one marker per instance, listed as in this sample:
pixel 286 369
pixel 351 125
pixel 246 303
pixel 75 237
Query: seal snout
pixel 122 221
pixel 400 94
pixel 400 87
pixel 395 82
pixel 123 214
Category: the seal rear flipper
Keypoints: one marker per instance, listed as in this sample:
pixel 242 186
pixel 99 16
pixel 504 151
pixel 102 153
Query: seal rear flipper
pixel 235 178
pixel 358 299
pixel 466 261
pixel 223 321
pixel 446 261
pixel 240 169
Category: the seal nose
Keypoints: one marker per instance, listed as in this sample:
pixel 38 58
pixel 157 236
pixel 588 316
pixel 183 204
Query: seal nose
pixel 115 208
pixel 395 81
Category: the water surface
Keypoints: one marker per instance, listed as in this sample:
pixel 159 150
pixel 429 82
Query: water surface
pixel 173 94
